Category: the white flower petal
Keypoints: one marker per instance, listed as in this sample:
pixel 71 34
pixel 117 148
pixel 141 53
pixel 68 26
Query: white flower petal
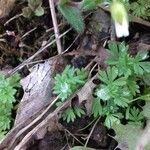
pixel 122 30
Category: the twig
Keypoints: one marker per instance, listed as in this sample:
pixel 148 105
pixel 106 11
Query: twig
pixel 33 56
pixel 11 19
pixel 91 132
pixel 55 24
pixel 24 141
pixel 74 137
pixel 28 32
pixel 51 29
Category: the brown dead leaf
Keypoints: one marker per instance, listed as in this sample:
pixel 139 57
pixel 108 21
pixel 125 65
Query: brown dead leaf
pixel 5 7
pixel 85 94
pixel 37 88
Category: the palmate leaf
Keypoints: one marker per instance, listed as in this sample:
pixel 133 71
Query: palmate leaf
pixel 111 120
pixel 73 16
pixel 71 113
pixel 140 8
pixel 135 116
pixel 78 111
pixel 113 87
pixel 69 81
pixel 141 67
pixel 14 80
pixel 115 52
pixel 103 93
pixel 120 58
pixel 7 98
pixel 126 64
pixel 109 75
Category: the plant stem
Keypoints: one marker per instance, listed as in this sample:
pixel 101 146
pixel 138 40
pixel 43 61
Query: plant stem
pixel 55 24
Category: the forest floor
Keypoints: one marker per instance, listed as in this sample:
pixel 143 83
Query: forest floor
pixel 28 47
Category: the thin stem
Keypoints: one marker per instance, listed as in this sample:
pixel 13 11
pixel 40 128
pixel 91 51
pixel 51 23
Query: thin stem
pixel 55 24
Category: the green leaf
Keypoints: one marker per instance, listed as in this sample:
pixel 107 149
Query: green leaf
pixel 111 120
pixel 14 80
pixel 147 147
pixel 78 111
pixel 103 93
pixel 39 11
pixel 27 12
pixel 7 98
pixel 109 75
pixel 141 55
pixel 69 115
pixel 135 115
pixel 69 81
pixel 73 16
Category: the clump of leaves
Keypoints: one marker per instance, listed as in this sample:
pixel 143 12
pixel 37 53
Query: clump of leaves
pixel 69 81
pixel 119 86
pixel 140 8
pixel 65 85
pixel 34 8
pixel 126 64
pixel 7 92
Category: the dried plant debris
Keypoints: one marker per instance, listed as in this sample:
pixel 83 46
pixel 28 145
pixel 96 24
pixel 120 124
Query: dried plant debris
pixel 37 90
pixel 5 7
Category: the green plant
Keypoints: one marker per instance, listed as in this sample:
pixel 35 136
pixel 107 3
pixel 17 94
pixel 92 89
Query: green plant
pixel 69 81
pixel 119 86
pixel 134 115
pixel 34 8
pixel 7 92
pixel 140 8
pixel 65 85
pixel 71 113
pixel 126 64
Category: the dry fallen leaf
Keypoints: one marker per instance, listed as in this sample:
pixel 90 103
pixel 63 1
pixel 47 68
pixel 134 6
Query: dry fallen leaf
pixel 5 7
pixel 37 88
pixel 85 94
